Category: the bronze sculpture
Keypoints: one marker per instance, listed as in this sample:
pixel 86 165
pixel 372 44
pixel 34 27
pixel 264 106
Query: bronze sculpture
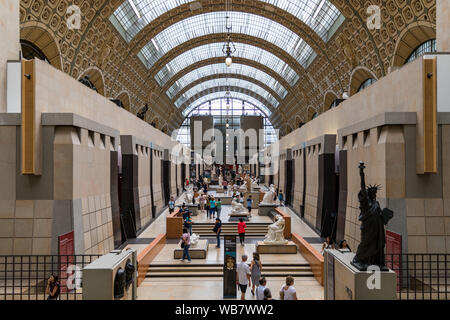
pixel 373 219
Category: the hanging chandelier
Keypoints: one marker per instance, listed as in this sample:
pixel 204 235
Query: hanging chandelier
pixel 228 47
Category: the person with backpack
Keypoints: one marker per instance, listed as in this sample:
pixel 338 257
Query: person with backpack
pixel 280 197
pixel 217 230
pixel 288 292
pixel 185 244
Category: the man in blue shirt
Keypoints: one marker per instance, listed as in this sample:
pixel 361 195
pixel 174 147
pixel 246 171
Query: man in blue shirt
pixel 171 204
pixel 249 205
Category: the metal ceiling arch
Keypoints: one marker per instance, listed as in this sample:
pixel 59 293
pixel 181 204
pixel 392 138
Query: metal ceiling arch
pixel 227 82
pixel 229 76
pixel 219 60
pixel 224 89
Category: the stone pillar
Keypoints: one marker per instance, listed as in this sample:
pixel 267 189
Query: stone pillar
pixel 9 50
pixel 443 26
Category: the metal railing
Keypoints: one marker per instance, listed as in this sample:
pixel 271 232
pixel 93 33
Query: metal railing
pixel 421 276
pixel 25 277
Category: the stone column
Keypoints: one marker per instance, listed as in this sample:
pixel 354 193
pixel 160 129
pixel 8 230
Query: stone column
pixel 9 50
pixel 443 26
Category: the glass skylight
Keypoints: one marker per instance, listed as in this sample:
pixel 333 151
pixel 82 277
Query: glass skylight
pixel 133 15
pixel 319 15
pixel 221 68
pixel 234 96
pixel 231 82
pixel 213 50
pixel 215 22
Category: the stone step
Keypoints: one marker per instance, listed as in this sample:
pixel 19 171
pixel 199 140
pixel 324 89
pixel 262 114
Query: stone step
pixel 219 274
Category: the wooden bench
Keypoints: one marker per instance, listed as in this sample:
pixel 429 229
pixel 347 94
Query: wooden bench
pixel 174 225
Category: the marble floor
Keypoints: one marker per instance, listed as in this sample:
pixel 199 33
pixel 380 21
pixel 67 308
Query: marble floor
pixel 211 288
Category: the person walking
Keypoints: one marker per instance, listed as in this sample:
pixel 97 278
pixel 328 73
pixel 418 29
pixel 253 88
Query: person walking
pixel 201 202
pixel 241 230
pixel 218 207
pixel 255 268
pixel 288 292
pixel 188 223
pixel 185 244
pixel 261 288
pixel 243 276
pixel 53 287
pixel 249 206
pixel 212 208
pixel 218 229
pixel 208 202
pixel 281 198
pixel 171 205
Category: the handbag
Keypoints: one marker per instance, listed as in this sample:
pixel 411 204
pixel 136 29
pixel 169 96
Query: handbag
pixel 182 243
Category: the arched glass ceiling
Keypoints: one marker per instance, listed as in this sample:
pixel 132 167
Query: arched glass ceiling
pixel 133 15
pixel 213 50
pixel 215 22
pixel 232 82
pixel 221 68
pixel 234 95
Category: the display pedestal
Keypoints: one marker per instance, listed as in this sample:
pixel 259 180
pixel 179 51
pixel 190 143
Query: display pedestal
pixel 344 282
pixel 255 198
pixel 193 208
pixel 197 252
pixel 263 248
pixel 265 209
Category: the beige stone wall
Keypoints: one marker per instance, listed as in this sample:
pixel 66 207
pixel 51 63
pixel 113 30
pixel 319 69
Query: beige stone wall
pixel 443 25
pixel 282 174
pixel 145 202
pixel 9 50
pixel 173 185
pixel 298 183
pixel 312 183
pixel 383 152
pixel 82 171
pixel 157 188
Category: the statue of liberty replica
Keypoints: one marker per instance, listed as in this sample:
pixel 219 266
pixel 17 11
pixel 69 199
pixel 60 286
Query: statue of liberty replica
pixel 373 220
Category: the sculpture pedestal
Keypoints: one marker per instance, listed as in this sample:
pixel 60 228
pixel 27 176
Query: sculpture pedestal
pixel 255 198
pixel 344 282
pixel 193 208
pixel 197 252
pixel 265 209
pixel 289 248
pixel 225 199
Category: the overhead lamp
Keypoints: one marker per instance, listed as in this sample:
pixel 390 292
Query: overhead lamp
pixel 228 47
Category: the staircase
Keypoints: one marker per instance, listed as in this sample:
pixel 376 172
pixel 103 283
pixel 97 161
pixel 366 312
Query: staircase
pixel 230 228
pixel 195 270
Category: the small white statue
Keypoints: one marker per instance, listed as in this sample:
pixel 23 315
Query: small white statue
pixel 189 195
pixel 268 196
pixel 243 187
pixel 220 180
pixel 275 233
pixel 194 239
pixel 237 208
pixel 240 170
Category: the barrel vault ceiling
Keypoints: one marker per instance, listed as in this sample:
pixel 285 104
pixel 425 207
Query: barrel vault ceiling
pixel 125 68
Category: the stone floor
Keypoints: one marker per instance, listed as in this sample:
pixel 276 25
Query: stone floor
pixel 211 288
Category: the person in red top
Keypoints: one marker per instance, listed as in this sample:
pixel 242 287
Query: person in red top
pixel 241 230
pixel 187 182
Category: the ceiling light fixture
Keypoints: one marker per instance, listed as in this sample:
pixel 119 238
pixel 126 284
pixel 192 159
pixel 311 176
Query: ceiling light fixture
pixel 228 47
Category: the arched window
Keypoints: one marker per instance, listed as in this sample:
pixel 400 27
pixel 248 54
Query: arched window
pixel 31 51
pixel 366 84
pixel 426 47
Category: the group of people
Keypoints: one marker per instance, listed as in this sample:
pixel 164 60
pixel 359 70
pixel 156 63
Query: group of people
pixel 250 276
pixel 329 244
pixel 211 205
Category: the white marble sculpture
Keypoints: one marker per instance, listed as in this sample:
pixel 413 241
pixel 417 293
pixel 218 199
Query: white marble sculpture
pixel 275 233
pixel 194 239
pixel 254 183
pixel 243 187
pixel 268 196
pixel 237 208
pixel 220 180
pixel 189 195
